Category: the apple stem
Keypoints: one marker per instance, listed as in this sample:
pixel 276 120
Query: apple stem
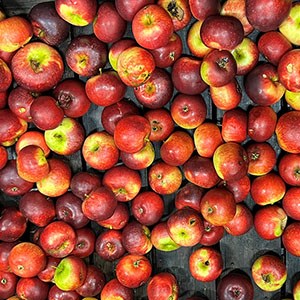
pixel 266 278
pixel 35 66
pixel 222 62
pixel 175 10
pixel 255 156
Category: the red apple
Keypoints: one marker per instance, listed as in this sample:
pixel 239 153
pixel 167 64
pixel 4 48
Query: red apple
pixel 8 284
pixel 3 157
pixel 57 294
pixel 32 288
pixel 114 289
pixel 290 238
pixel 5 76
pixel 5 248
pixel 3 99
pixel 202 9
pixel 47 273
pixel 212 234
pixel 85 242
pixel 290 203
pixel 288 168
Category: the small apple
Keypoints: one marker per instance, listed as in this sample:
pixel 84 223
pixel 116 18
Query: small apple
pixel 202 9
pixel 85 242
pixel 8 284
pixel 212 234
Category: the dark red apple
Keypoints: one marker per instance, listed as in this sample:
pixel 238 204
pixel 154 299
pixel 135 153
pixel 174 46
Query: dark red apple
pixel 85 242
pixel 212 234
pixel 202 9
pixel 56 293
pixel 5 248
pixel 8 284
pixel 32 288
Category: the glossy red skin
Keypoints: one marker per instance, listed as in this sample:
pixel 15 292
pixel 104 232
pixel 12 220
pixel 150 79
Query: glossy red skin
pixel 202 9
pixel 212 234
pixel 7 56
pixel 99 204
pixel 200 171
pixel 114 288
pixel 57 294
pixel 3 157
pixel 147 207
pixel 68 209
pixel 5 76
pixel 47 273
pixel 3 99
pixel 5 248
pixel 133 270
pixel 87 49
pixel 290 203
pixel 8 284
pixel 109 245
pixel 186 77
pixel 290 238
pixel 85 242
pixel 12 224
pixel 108 25
pixel 32 288
pixel 37 208
pixel 157 91
pixel 288 168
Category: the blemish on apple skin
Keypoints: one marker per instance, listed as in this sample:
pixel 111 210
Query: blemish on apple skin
pixel 289 68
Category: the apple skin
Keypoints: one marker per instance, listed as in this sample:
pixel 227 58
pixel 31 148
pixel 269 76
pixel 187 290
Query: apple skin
pixel 32 288
pixel 163 285
pixel 47 273
pixel 288 168
pixel 114 289
pixel 85 242
pixel 57 294
pixel 290 238
pixel 5 76
pixel 290 203
pixel 212 234
pixel 274 13
pixel 8 284
pixel 3 99
pixel 292 99
pixel 269 272
pixel 296 290
pixel 267 189
pixel 133 271
pixel 108 25
pixel 16 32
pixel 205 264
pixel 202 9
pixel 152 26
pixel 86 54
pixel 100 151
pixel 27 259
pixel 76 13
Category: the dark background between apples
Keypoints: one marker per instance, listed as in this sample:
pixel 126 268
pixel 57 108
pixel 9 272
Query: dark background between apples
pixel 238 252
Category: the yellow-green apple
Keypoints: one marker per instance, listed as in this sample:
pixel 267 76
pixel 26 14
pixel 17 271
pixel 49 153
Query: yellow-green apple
pixel 161 239
pixel 37 66
pixel 32 288
pixel 5 76
pixel 163 285
pixel 165 56
pixel 212 234
pixel 234 125
pixel 185 227
pixel 163 178
pixel 186 77
pixel 114 289
pixel 108 25
pixel 85 242
pixel 267 189
pixel 291 238
pixel 58 180
pixel 289 70
pixel 286 132
pixel 289 26
pixel 269 272
pixel 135 65
pixel 86 54
pixel 194 41
pixel 70 273
pixel 152 26
pixel 290 203
pixel 8 284
pixel 237 8
pixel 131 133
pixel 16 31
pixel 124 182
pixel 3 157
pixel 99 204
pixel 274 13
pixel 262 122
pixel 218 68
pixel 162 123
pixel 292 99
pixel 155 92
pixel 296 289
pixel 202 9
pixel 288 168
pixel 218 206
pixel 207 137
pixel 200 171
pixel 133 270
pixel 78 13
pixel 270 222
pixel 227 96
pixel 262 158
pixel 206 264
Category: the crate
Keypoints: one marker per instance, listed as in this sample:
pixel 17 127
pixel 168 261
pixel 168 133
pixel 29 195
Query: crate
pixel 238 252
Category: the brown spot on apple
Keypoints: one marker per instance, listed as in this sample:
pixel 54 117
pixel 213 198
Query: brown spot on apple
pixel 175 10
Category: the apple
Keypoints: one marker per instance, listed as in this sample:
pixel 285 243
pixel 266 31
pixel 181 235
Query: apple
pixel 114 289
pixel 296 290
pixel 37 208
pixel 152 26
pixel 135 65
pixel 290 238
pixel 207 137
pixel 163 178
pixel 205 264
pixel 290 203
pixel 269 272
pixel 292 99
pixel 3 157
pixel 163 285
pixel 136 238
pixel 109 245
pixel 202 9
pixel 186 77
pixel 267 189
pixel 86 54
pixel 32 288
pixel 288 168
pixel 8 284
pixel 78 13
pixel 47 273
pixel 274 13
pixel 212 234
pixel 27 259
pixel 70 274
pixel 218 206
pixel 58 239
pixel 3 99
pixel 155 92
pixel 16 32
pixel 218 68
pixel 147 208
pixel 235 285
pixel 200 171
pixel 41 15
pixel 185 227
pixel 85 242
pixel 108 25
pixel 56 293
pixel 37 66
pixel 133 270
pixel 5 76
pixel 161 239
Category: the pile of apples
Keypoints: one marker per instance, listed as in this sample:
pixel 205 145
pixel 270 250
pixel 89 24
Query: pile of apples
pixel 157 172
